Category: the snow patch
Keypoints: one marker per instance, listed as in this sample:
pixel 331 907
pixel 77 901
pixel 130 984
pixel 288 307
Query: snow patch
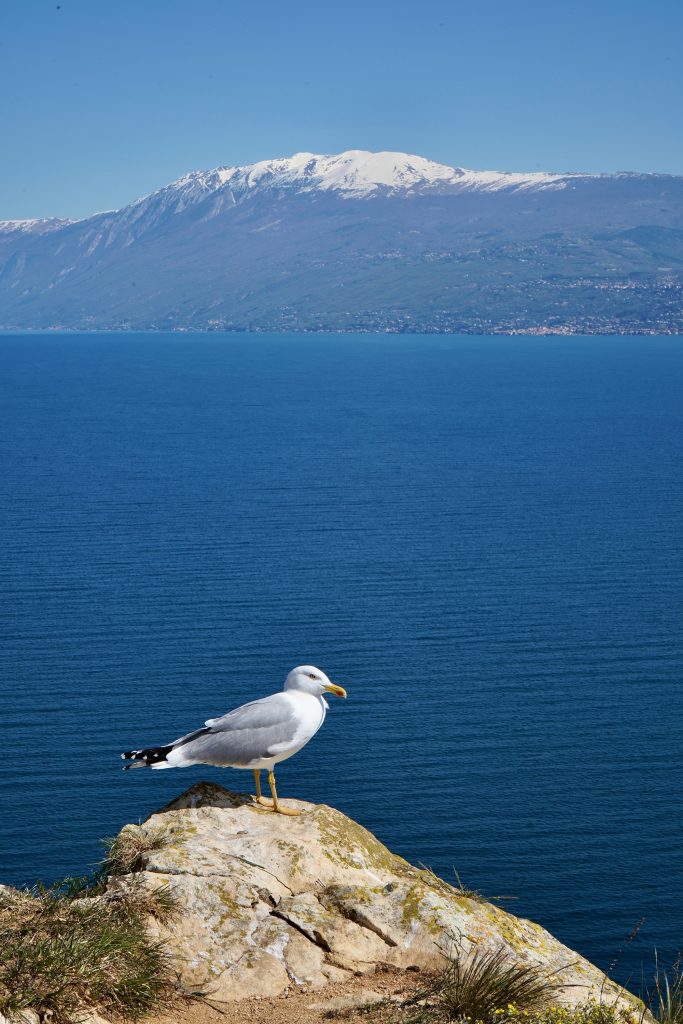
pixel 36 226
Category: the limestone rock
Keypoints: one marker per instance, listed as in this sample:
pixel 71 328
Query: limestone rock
pixel 269 902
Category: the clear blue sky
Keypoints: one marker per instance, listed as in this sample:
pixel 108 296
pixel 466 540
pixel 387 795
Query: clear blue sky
pixel 104 101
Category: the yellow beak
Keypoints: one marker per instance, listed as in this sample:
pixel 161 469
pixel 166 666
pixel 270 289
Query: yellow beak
pixel 338 691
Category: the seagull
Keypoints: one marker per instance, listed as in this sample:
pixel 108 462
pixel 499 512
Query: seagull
pixel 256 735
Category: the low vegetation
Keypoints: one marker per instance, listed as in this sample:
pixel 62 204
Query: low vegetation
pixel 435 1012
pixel 128 850
pixel 490 988
pixel 482 988
pixel 78 945
pixel 666 998
pixel 477 987
pixel 476 895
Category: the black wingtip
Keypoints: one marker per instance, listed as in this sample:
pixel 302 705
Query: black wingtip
pixel 146 757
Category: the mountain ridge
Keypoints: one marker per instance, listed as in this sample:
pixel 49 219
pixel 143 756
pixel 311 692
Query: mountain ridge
pixel 351 172
pixel 359 241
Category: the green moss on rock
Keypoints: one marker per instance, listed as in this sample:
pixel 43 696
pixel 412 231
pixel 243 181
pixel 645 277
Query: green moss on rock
pixel 347 843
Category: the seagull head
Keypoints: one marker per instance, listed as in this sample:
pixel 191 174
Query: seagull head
pixel 310 679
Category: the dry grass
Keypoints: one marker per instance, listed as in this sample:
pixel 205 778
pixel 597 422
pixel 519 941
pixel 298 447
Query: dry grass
pixel 128 851
pixel 80 944
pixel 66 954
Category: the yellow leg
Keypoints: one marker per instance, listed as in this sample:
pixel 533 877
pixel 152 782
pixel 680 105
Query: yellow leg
pixel 260 799
pixel 276 806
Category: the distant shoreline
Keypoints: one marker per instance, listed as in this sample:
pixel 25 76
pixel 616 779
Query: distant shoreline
pixel 530 332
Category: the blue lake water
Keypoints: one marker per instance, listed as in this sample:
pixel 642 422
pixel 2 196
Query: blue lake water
pixel 479 537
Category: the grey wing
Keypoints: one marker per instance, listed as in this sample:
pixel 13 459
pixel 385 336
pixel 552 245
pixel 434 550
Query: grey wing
pixel 243 735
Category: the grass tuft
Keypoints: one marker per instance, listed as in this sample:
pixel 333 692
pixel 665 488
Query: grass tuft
pixel 480 985
pixel 476 895
pixel 667 998
pixel 127 852
pixel 483 987
pixel 140 900
pixel 65 955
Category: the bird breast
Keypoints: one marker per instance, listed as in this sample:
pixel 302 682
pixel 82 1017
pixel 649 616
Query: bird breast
pixel 310 715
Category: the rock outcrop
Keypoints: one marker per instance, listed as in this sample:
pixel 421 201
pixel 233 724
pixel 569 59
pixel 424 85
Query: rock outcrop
pixel 268 902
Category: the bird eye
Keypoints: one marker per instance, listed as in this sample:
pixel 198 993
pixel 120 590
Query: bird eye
pixel 311 675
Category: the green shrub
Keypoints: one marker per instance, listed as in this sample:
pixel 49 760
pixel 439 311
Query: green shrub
pixel 437 1011
pixel 588 1013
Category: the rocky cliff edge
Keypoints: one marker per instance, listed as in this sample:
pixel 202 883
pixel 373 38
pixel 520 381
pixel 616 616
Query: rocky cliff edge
pixel 268 903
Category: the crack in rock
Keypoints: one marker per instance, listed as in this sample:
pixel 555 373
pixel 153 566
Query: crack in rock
pixel 313 936
pixel 253 864
pixel 355 916
pixel 153 869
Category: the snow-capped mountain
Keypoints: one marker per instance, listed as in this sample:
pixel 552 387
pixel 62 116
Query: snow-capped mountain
pixel 357 173
pixel 358 239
